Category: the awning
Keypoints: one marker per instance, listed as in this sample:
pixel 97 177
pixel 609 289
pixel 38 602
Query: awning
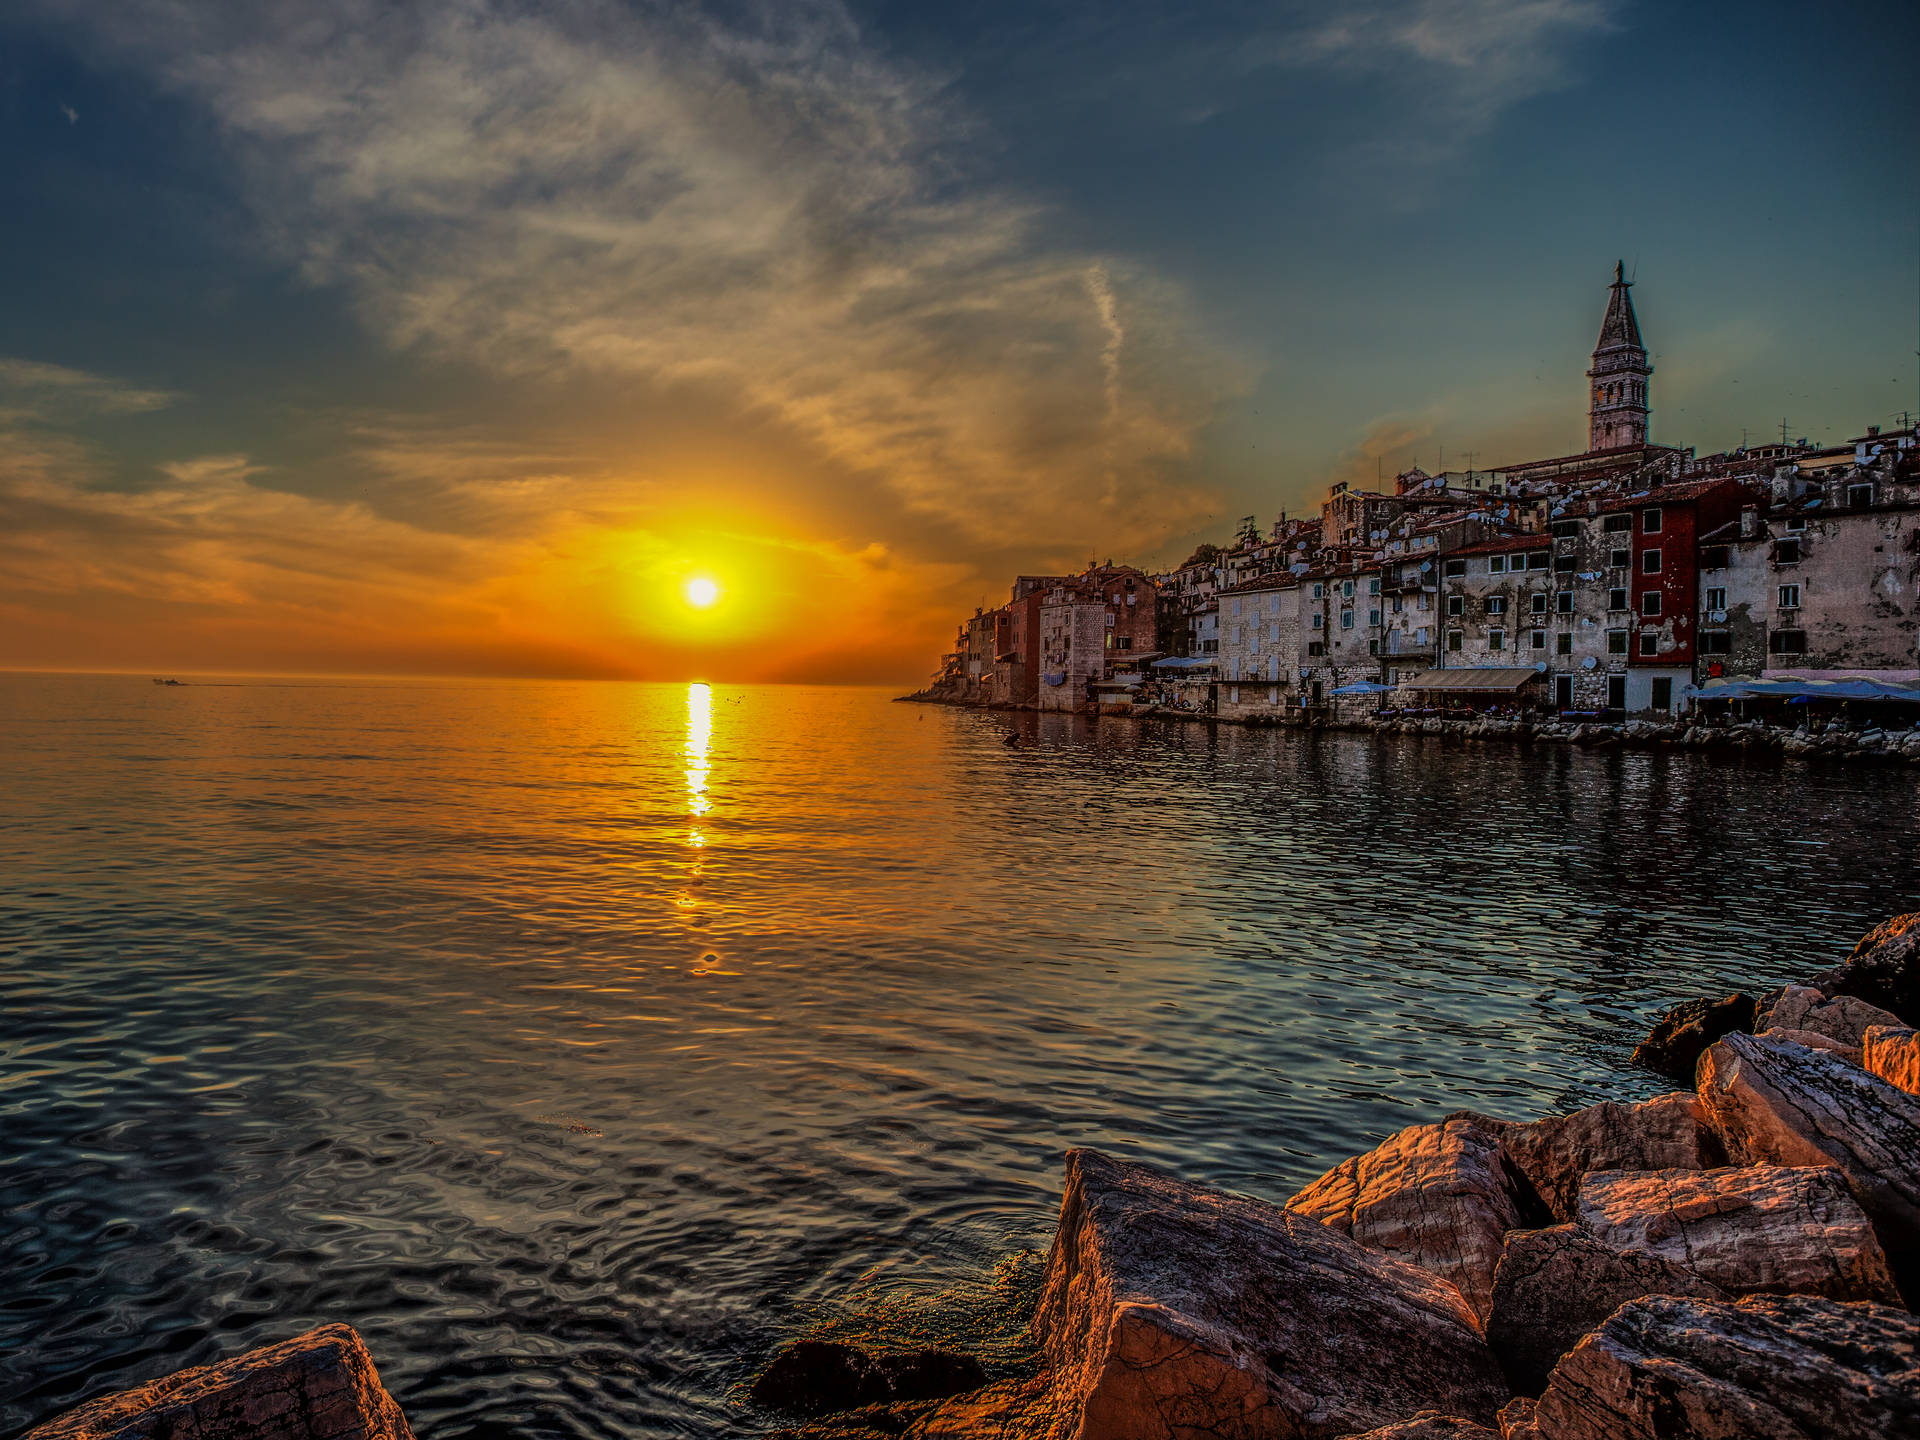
pixel 1362 687
pixel 1795 689
pixel 1470 681
pixel 1184 662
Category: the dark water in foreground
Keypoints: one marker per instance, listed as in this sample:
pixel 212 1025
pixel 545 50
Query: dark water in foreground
pixel 578 1043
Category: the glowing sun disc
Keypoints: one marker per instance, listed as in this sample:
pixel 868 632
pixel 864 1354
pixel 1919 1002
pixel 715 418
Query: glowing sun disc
pixel 701 592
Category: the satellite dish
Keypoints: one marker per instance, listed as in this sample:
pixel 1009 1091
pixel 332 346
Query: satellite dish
pixel 1588 663
pixel 1539 667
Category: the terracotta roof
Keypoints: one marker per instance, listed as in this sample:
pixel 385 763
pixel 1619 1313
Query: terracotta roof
pixel 1501 546
pixel 1678 493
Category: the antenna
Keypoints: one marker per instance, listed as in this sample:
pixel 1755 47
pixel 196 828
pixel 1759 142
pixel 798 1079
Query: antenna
pixel 1783 430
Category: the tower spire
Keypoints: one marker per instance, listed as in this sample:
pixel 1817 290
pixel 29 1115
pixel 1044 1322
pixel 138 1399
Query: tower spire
pixel 1618 406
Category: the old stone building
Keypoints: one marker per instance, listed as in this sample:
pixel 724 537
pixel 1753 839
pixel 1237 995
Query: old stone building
pixel 1259 654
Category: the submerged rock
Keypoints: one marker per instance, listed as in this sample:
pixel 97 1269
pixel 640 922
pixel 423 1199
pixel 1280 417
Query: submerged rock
pixel 1756 1230
pixel 1844 1018
pixel 1556 1285
pixel 1776 1103
pixel 820 1377
pixel 1770 1368
pixel 1439 1196
pixel 316 1386
pixel 1682 1035
pixel 1174 1310
pixel 1893 1053
pixel 1430 1425
pixel 1668 1132
pixel 1884 969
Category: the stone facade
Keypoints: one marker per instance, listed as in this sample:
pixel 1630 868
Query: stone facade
pixel 1259 664
pixel 1620 398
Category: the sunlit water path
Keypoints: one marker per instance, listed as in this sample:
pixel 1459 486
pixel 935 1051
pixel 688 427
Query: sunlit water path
pixel 576 1042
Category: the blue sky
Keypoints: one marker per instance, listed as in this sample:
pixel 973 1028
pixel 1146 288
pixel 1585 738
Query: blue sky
pixel 447 334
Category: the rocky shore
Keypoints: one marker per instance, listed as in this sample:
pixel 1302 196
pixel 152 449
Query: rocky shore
pixel 1737 1258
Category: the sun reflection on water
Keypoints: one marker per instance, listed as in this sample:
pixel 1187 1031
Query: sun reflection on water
pixel 699 741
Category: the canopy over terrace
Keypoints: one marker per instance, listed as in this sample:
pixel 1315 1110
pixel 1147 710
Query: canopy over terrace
pixel 1485 680
pixel 1793 688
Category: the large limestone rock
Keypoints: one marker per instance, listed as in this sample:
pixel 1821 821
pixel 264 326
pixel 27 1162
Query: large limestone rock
pixel 1777 1103
pixel 1814 1040
pixel 1668 1132
pixel 1554 1286
pixel 1893 1053
pixel 1173 1310
pixel 1758 1230
pixel 1763 1368
pixel 1440 1196
pixel 1884 969
pixel 1681 1036
pixel 1845 1018
pixel 317 1386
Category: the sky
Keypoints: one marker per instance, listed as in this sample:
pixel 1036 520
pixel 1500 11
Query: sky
pixel 455 337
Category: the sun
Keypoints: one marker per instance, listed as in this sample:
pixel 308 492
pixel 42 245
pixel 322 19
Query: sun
pixel 701 592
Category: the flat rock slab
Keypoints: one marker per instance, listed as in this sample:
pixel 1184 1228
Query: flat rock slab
pixel 1763 1368
pixel 1175 1310
pixel 1845 1018
pixel 1555 1286
pixel 316 1386
pixel 1764 1229
pixel 1431 1425
pixel 1777 1103
pixel 1668 1132
pixel 1439 1196
pixel 1892 1052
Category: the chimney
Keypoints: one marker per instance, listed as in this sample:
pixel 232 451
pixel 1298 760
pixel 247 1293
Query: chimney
pixel 1749 522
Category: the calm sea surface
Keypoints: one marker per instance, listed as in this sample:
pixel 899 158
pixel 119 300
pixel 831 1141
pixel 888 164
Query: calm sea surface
pixel 579 1043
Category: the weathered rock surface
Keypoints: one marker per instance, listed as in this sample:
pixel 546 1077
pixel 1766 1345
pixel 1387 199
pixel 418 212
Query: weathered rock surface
pixel 316 1386
pixel 1845 1018
pixel 1439 1196
pixel 1884 969
pixel 1682 1035
pixel 1668 1132
pixel 1763 1368
pixel 1430 1425
pixel 1008 1410
pixel 819 1377
pixel 1555 1286
pixel 1173 1310
pixel 1814 1040
pixel 1893 1053
pixel 1763 1229
pixel 1776 1103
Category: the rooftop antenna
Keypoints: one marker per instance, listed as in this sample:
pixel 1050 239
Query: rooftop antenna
pixel 1783 430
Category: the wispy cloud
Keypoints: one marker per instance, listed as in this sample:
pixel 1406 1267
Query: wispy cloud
pixel 32 388
pixel 763 204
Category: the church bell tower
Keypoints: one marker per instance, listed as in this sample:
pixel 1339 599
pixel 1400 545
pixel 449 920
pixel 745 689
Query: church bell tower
pixel 1618 412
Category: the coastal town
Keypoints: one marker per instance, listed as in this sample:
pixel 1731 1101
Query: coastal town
pixel 1632 581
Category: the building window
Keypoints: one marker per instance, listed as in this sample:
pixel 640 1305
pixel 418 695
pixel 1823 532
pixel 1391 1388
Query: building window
pixel 1650 520
pixel 1496 639
pixel 1373 586
pixel 1649 642
pixel 1716 642
pixel 1563 643
pixel 1787 642
pixel 1539 639
pixel 1566 529
pixel 1346 619
pixel 1346 589
pixel 1125 642
pixel 1713 557
pixel 1539 602
pixel 1649 562
pixel 1563 602
pixel 1319 621
pixel 1616 642
pixel 1454 640
pixel 1373 647
pixel 1496 565
pixel 1617 598
pixel 1373 617
pixel 1786 551
pixel 1860 497
pixel 1650 603
pixel 1717 597
pixel 1456 567
pixel 1663 692
pixel 1496 604
pixel 1396 605
pixel 1789 597
pixel 1236 609
pixel 1615 524
pixel 1538 560
pixel 1563 564
pixel 1456 604
pixel 1619 559
pixel 1319 591
pixel 1316 648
